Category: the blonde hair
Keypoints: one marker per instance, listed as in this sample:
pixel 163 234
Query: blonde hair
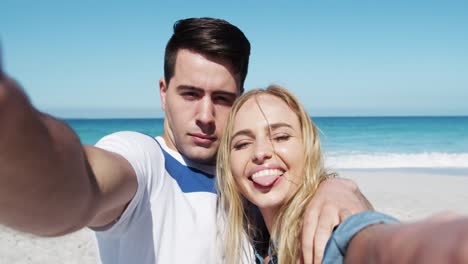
pixel 240 223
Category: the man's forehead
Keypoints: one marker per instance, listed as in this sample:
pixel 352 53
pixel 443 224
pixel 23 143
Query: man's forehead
pixel 192 66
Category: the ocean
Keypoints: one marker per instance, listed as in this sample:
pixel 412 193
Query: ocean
pixel 348 142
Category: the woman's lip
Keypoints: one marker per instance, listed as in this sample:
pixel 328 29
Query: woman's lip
pixel 266 188
pixel 264 167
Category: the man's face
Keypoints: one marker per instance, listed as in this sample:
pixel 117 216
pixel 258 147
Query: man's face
pixel 197 103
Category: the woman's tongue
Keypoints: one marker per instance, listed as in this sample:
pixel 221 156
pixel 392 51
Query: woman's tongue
pixel 265 180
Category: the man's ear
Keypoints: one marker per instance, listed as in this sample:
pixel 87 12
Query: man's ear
pixel 162 93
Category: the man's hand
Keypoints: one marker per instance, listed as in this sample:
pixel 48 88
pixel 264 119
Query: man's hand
pixel 45 188
pixel 49 183
pixel 334 201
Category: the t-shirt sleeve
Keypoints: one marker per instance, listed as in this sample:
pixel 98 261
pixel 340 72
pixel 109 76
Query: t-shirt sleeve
pixel 337 245
pixel 144 155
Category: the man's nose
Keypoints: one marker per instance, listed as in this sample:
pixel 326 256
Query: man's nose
pixel 206 115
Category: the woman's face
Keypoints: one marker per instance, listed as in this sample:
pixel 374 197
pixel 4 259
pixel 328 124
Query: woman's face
pixel 267 154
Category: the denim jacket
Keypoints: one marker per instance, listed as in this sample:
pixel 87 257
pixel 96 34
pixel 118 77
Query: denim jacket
pixel 337 245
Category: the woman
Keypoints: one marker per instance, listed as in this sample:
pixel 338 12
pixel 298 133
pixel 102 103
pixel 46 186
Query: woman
pixel 270 159
pixel 270 156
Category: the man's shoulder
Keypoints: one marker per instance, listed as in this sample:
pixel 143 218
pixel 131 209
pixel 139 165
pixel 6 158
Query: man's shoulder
pixel 130 139
pixel 134 146
pixel 126 136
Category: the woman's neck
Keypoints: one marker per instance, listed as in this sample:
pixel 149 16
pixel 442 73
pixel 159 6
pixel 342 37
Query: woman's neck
pixel 269 216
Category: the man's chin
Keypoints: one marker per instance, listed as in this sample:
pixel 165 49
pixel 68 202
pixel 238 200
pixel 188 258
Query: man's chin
pixel 201 155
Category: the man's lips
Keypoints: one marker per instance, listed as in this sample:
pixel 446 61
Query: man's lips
pixel 202 139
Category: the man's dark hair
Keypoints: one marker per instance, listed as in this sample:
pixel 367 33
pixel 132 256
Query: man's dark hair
pixel 211 37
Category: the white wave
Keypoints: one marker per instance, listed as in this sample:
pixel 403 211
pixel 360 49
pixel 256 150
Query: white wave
pixel 396 160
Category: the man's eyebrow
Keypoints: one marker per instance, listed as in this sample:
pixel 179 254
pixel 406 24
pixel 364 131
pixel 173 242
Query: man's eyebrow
pixel 201 90
pixel 189 88
pixel 229 94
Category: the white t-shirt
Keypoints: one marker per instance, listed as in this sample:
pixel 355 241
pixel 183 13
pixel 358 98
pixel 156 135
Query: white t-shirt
pixel 172 217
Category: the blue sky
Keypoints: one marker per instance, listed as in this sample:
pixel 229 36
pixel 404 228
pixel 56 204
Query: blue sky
pixel 342 58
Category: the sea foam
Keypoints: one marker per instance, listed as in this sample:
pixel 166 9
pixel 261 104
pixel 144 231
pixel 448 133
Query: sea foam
pixel 342 160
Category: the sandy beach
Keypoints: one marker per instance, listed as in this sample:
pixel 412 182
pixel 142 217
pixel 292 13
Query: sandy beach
pixel 406 194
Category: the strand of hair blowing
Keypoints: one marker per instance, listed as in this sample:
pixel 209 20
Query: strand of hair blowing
pixel 286 231
pixel 230 201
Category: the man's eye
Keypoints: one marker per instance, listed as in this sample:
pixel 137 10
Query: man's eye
pixel 189 95
pixel 223 100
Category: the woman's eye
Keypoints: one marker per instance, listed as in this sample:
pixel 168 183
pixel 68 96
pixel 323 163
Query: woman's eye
pixel 241 145
pixel 282 138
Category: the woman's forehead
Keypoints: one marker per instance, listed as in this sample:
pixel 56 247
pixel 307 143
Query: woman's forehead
pixel 264 108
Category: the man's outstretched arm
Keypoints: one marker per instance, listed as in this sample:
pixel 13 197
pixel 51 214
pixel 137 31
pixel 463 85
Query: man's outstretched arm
pixel 49 183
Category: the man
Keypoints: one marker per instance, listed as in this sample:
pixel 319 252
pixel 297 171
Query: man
pixel 150 200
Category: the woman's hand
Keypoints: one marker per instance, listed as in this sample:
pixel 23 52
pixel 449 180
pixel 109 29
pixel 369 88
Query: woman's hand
pixel 334 201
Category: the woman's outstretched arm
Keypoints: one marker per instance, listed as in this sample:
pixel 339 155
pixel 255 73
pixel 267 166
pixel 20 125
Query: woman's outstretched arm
pixel 439 239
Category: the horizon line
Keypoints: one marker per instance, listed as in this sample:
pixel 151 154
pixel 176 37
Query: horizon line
pixel 315 116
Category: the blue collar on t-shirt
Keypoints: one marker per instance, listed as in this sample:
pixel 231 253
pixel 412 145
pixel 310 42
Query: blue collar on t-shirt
pixel 189 179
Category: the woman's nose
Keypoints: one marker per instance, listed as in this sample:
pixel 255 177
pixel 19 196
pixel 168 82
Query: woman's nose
pixel 263 151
